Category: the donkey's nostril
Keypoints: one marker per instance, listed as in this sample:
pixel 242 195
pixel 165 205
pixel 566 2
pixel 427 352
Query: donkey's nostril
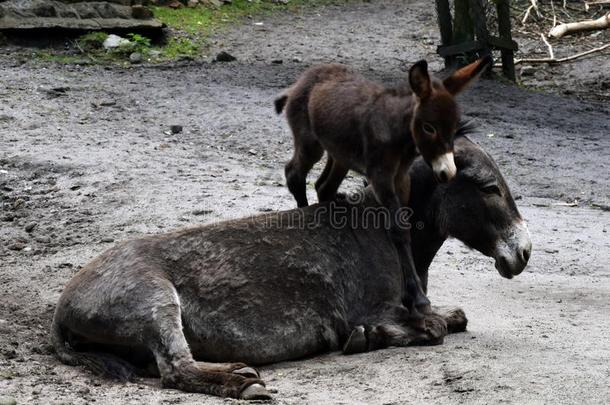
pixel 443 176
pixel 525 254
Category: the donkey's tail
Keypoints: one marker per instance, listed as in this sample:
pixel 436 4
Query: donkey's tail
pixel 103 364
pixel 280 103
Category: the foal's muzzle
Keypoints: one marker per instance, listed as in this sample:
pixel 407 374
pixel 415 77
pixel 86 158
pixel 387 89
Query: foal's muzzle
pixel 443 167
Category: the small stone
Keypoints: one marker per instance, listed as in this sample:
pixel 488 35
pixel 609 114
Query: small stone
pixel 136 57
pixel 16 246
pixel 277 61
pixel 296 59
pixel 224 56
pixel 114 41
pixel 30 227
pixel 192 3
pixel 18 203
pixel 43 239
pixel 252 151
pixel 107 240
pixel 175 129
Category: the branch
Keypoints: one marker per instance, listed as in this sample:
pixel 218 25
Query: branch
pixel 534 7
pixel 587 25
pixel 561 60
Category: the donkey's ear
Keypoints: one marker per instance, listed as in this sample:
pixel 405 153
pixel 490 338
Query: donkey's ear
pixel 419 79
pixel 462 78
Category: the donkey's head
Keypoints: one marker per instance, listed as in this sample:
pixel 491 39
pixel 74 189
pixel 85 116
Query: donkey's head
pixel 478 209
pixel 436 115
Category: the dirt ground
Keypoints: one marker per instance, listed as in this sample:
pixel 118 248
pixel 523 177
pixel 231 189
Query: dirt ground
pixel 93 162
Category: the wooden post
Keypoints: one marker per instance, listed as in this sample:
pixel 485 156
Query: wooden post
pixel 477 13
pixel 508 62
pixel 446 27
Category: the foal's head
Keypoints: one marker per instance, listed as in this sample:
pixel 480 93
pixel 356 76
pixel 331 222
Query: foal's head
pixel 436 115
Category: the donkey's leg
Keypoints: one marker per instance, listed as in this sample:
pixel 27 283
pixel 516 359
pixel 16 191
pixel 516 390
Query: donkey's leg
pixel 436 326
pixel 175 361
pixel 328 189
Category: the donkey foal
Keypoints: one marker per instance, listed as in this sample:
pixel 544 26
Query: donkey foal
pixel 376 131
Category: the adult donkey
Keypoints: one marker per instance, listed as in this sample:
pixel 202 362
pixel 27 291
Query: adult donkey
pixel 278 286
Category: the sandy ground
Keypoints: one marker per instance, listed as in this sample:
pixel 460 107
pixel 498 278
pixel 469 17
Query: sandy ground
pixel 94 163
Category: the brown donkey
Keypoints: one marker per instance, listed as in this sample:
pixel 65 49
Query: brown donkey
pixel 376 131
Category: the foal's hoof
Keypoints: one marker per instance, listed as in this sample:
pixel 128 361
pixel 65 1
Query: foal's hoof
pixel 255 391
pixel 247 372
pixel 356 342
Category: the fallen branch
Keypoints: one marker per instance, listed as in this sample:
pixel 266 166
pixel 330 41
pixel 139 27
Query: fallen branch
pixel 587 25
pixel 560 60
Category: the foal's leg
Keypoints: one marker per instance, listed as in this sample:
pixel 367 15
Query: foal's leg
pixel 328 189
pixel 324 175
pixel 175 362
pixel 382 173
pixel 307 150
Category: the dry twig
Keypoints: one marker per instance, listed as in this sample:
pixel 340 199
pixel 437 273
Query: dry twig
pixel 560 60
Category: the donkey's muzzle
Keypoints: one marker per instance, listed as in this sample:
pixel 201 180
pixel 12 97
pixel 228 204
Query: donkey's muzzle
pixel 444 167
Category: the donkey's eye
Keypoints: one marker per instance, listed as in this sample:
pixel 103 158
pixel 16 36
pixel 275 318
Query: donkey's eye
pixel 429 128
pixel 491 189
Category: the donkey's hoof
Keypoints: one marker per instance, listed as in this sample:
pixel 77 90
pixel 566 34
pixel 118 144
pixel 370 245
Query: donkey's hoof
pixel 247 372
pixel 255 391
pixel 356 342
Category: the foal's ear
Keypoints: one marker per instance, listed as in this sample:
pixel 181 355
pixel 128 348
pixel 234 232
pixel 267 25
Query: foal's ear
pixel 419 79
pixel 462 78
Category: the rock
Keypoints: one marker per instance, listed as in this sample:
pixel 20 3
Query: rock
pixel 8 401
pixel 174 4
pixel 224 56
pixel 175 129
pixel 277 61
pixel 114 41
pixel 30 227
pixel 192 3
pixel 16 246
pixel 136 57
pixel 18 203
pixel 82 15
pixel 43 239
pixel 107 240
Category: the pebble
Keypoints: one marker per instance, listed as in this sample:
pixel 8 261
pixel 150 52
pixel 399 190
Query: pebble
pixel 224 56
pixel 107 240
pixel 43 239
pixel 18 203
pixel 16 246
pixel 136 57
pixel 30 227
pixel 175 129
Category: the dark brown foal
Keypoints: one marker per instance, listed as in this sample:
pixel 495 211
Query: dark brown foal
pixel 376 131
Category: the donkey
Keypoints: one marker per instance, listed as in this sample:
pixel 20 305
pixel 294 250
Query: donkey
pixel 376 131
pixel 279 286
